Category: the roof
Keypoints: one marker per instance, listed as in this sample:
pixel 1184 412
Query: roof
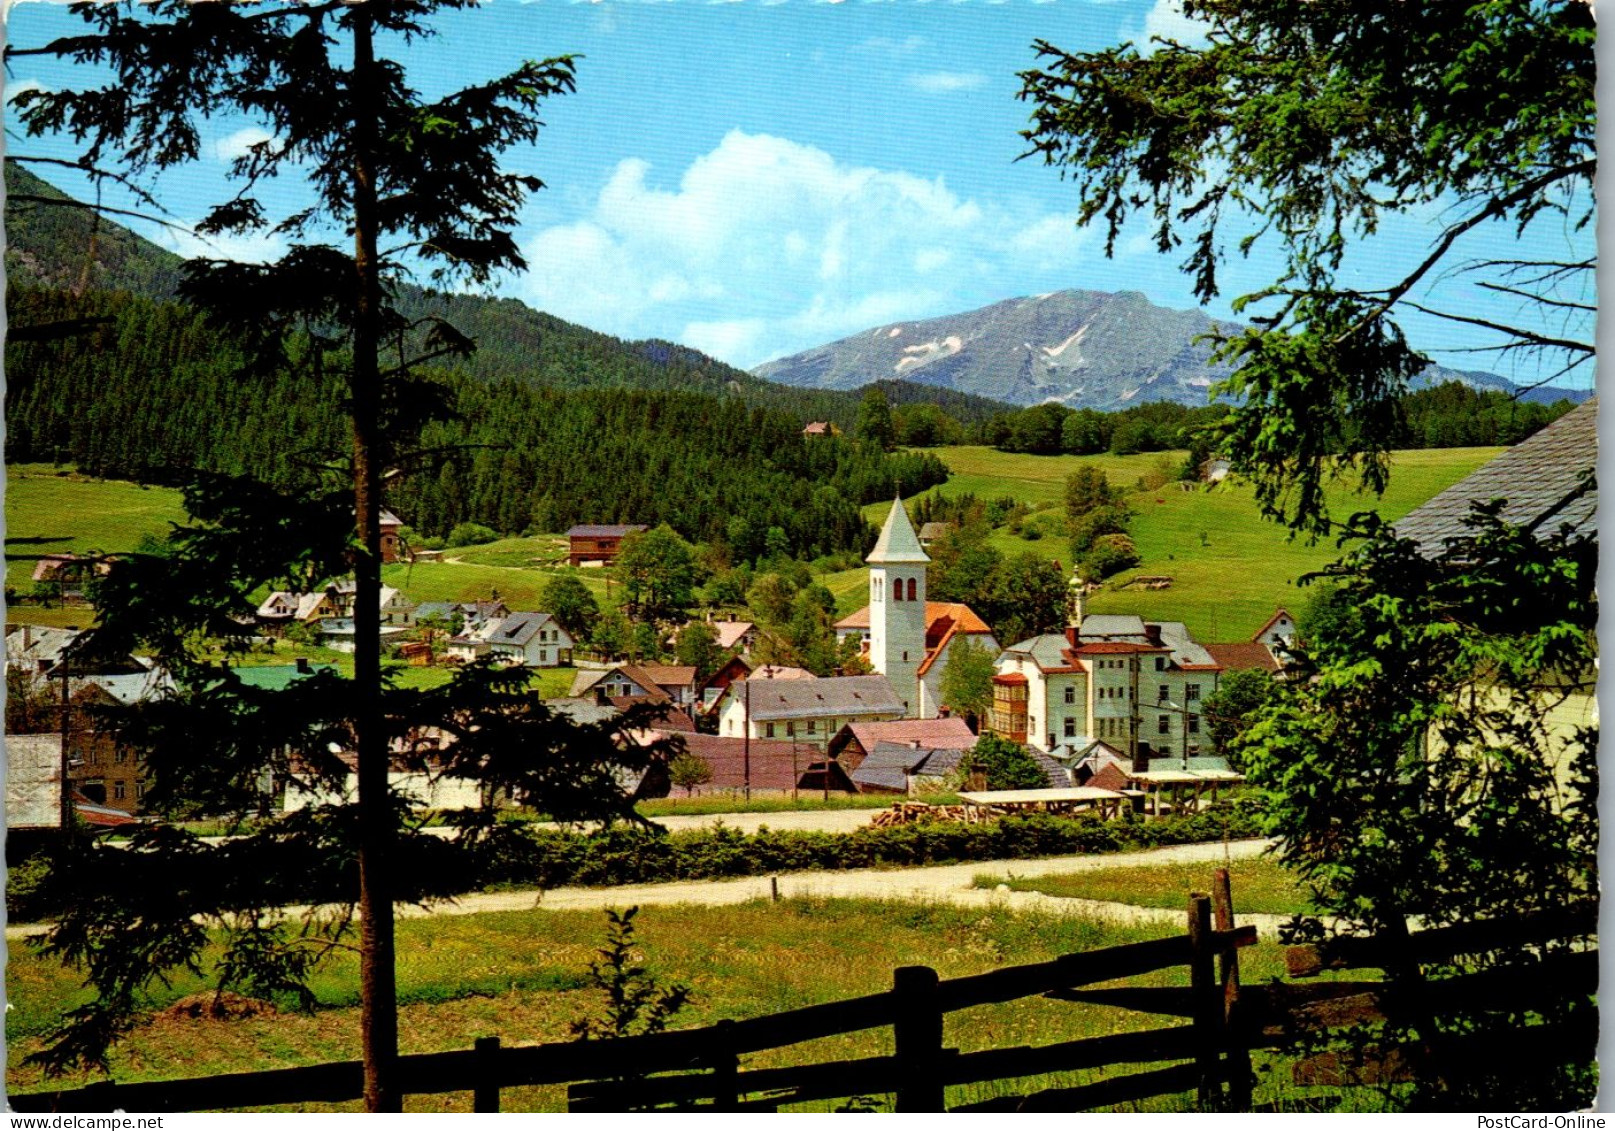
pixel 1545 478
pixel 517 629
pixel 670 675
pixel 588 679
pixel 936 734
pixel 1243 655
pixel 817 428
pixel 673 719
pixel 43 643
pixel 898 544
pixel 817 698
pixel 388 518
pixel 134 687
pixel 773 765
pixel 963 617
pixel 730 632
pixel 780 671
pixel 933 530
pixel 1280 613
pixel 582 711
pixel 1025 796
pixel 890 764
pixel 587 531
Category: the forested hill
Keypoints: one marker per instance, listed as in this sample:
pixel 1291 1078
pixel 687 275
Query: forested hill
pixel 68 248
pixel 587 429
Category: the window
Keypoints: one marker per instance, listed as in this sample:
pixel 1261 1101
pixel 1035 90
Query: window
pixel 1070 727
pixel 1160 663
pixel 905 657
pixel 1192 724
pixel 1051 742
pixel 897 590
pixel 121 756
pixel 1070 694
pixel 1165 693
pixel 812 727
pixel 912 589
pixel 140 791
pixel 1191 692
pixel 118 790
pixel 790 730
pixel 1163 724
pixel 768 731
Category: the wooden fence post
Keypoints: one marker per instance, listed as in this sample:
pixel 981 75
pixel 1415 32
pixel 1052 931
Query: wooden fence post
pixel 725 1069
pixel 485 1092
pixel 1208 1006
pixel 917 1035
pixel 1239 1057
pixel 104 1098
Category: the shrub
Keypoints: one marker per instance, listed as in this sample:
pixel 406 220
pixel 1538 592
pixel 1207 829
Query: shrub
pixel 471 534
pixel 1111 553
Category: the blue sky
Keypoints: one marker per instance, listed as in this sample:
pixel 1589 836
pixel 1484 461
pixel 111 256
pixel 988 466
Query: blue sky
pixel 753 179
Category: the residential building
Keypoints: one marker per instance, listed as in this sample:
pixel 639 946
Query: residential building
pixel 807 710
pixel 763 766
pixel 854 742
pixel 931 531
pixel 1136 685
pixel 820 428
pixel 596 545
pixel 620 681
pixel 391 545
pixel 909 768
pixel 905 637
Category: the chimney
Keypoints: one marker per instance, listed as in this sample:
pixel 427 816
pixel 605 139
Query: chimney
pixel 302 666
pixel 27 636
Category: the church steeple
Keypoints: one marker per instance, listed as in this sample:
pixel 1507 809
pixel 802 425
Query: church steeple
pixel 897 542
pixel 897 605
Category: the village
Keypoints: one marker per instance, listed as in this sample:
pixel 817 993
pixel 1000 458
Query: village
pixel 1109 710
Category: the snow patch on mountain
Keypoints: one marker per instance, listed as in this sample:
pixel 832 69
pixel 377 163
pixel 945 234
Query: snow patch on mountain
pixel 928 352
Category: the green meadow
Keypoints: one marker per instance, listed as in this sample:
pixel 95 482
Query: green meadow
pixel 521 975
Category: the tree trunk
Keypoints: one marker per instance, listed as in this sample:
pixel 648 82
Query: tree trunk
pixel 377 980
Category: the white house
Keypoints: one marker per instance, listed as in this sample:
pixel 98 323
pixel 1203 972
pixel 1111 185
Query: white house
pixel 805 710
pixel 905 637
pixel 1137 686
pixel 535 640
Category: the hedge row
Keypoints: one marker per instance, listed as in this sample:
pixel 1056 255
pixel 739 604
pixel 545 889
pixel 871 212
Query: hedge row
pixel 630 855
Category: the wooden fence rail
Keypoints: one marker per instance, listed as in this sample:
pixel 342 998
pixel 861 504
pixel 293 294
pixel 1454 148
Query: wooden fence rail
pixel 1209 1056
pixel 707 1059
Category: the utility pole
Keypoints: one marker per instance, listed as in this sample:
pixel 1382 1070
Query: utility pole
pixel 745 730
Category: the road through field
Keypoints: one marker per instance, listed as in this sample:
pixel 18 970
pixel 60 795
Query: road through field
pixel 947 883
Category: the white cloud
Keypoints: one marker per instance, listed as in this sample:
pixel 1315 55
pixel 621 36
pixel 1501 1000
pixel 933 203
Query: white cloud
pixel 764 246
pixel 15 88
pixel 1167 20
pixel 235 145
pixel 256 248
pixel 894 48
pixel 947 82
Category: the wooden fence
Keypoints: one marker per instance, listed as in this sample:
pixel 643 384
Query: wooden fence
pixel 1209 1056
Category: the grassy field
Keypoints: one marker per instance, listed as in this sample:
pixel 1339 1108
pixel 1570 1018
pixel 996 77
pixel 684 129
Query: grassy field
pixel 51 513
pixel 1259 886
pixel 1229 567
pixel 521 975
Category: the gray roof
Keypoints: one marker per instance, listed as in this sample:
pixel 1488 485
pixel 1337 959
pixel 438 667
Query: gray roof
pixel 582 711
pixel 1185 648
pixel 1056 774
pixel 33 781
pixel 897 543
pixel 518 628
pixel 1546 479
pixel 817 698
pixel 1047 650
pixel 890 764
pixel 597 531
pixel 126 689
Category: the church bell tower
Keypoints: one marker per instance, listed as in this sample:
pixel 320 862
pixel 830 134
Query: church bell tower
pixel 897 606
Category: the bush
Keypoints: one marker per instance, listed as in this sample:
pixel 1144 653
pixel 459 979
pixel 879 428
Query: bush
pixel 552 857
pixel 30 895
pixel 1111 553
pixel 470 534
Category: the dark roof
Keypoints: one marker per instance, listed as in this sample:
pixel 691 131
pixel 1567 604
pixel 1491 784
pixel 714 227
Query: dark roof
pixel 602 531
pixel 1242 655
pixel 951 733
pixel 773 765
pixel 1546 479
pixel 890 764
pixel 817 698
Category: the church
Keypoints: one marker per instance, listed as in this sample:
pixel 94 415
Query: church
pixel 905 637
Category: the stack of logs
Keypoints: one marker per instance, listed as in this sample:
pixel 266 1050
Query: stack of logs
pixel 915 812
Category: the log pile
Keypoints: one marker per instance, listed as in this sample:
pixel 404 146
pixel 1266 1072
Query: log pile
pixel 916 812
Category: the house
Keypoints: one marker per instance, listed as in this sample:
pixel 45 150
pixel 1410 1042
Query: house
pixel 1547 484
pixel 766 766
pixel 391 545
pixel 676 681
pixel 1136 685
pixel 853 742
pixel 908 767
pixel 821 428
pixel 931 531
pixel 38 651
pixel 905 637
pixel 807 710
pixel 596 545
pixel 734 635
pixel 620 681
pixel 536 640
pixel 34 793
pixel 1215 469
pixel 1278 632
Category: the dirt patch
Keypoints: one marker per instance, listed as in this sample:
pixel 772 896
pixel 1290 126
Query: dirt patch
pixel 216 1007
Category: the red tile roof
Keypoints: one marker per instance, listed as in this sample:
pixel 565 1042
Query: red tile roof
pixel 962 615
pixel 1243 655
pixel 773 765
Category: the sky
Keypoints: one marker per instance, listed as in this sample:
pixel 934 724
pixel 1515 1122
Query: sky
pixel 756 178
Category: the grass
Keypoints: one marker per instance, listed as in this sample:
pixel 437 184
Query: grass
pixel 1259 886
pixel 51 513
pixel 520 975
pixel 1229 567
